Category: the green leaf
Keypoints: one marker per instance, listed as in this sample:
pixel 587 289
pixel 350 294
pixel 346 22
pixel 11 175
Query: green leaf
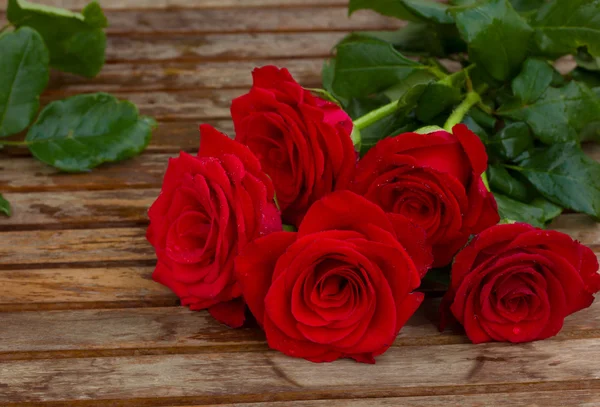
pixel 591 79
pixel 502 181
pixel 483 119
pixel 392 8
pixel 76 41
pixel 436 99
pixel 537 213
pixel 23 76
pixel 498 37
pixel 559 115
pixel 435 39
pixel 440 96
pixel 4 206
pixel 562 26
pixel 418 79
pixel 84 131
pixel 429 10
pixel 512 141
pixel 476 128
pixel 535 77
pixel 527 5
pixel 366 65
pixel 586 61
pixel 565 176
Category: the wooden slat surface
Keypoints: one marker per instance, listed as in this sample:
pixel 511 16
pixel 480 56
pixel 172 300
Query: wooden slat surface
pixel 170 21
pixel 83 324
pixel 239 376
pixel 199 4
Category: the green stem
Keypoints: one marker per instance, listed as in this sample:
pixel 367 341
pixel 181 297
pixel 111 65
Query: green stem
pixel 459 113
pixel 376 115
pixel 4 28
pixel 14 143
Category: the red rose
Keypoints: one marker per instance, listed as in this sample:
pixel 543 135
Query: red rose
pixel 342 286
pixel 303 142
pixel 209 208
pixel 517 283
pixel 435 180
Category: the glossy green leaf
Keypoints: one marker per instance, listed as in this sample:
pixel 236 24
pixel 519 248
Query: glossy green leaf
pixel 76 41
pixel 4 206
pixel 562 26
pixel 84 131
pixel 429 10
pixel 23 76
pixel 512 141
pixel 534 79
pixel 502 181
pixel 565 176
pixel 559 115
pixel 366 65
pixel 482 118
pixel 497 36
pixel 392 8
pixel 537 213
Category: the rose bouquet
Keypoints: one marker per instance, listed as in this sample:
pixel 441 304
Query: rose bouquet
pixel 329 208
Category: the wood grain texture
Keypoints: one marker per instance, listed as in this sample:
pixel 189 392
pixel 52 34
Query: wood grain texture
pixel 73 209
pixel 78 288
pixel 215 47
pixel 562 398
pixel 271 376
pixel 68 246
pixel 94 245
pixel 25 174
pixel 233 20
pixel 131 77
pixel 186 105
pixel 177 330
pixel 199 4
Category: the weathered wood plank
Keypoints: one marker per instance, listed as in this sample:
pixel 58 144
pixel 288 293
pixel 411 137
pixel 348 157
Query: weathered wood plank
pixel 73 209
pixel 169 76
pixel 170 137
pixel 36 335
pixel 145 171
pixel 78 288
pixel 574 398
pixel 271 376
pixel 221 20
pixel 26 174
pixel 229 47
pixel 199 4
pixel 205 104
pixel 87 245
pixel 106 244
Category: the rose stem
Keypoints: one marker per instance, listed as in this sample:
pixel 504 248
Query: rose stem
pixel 376 115
pixel 14 143
pixel 459 113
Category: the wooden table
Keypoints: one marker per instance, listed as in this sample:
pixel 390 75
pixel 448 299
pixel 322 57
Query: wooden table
pixel 83 324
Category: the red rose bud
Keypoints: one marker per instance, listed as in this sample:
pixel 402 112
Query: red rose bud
pixel 342 286
pixel 517 283
pixel 209 208
pixel 435 180
pixel 303 142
